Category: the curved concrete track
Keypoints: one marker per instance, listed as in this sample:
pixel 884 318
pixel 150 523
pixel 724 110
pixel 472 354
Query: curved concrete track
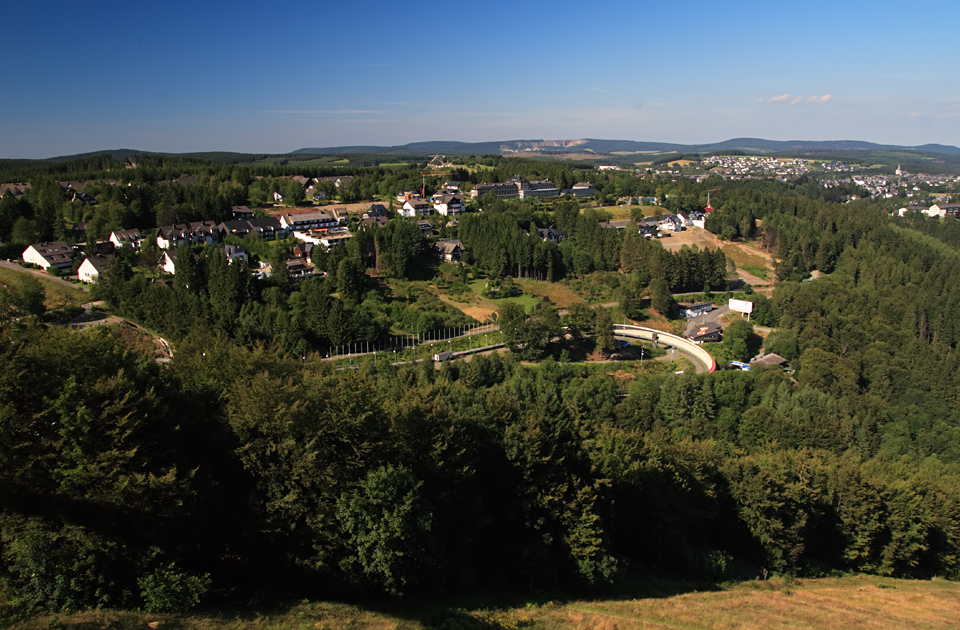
pixel 702 359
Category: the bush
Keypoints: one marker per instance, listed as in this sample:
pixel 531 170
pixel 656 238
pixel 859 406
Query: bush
pixel 170 590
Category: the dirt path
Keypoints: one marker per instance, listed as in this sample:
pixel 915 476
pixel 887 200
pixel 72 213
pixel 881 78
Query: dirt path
pixel 751 279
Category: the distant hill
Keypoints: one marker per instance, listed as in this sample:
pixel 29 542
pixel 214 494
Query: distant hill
pixel 610 147
pixel 415 148
pixel 117 154
pixel 614 149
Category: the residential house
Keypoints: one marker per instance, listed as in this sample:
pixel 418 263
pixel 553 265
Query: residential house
pixel 449 250
pixel 235 227
pixel 298 269
pixel 119 238
pixel 618 225
pixel 90 268
pixel 338 180
pixel 375 221
pixel 14 190
pixel 449 205
pixel 708 332
pixel 84 198
pixel 333 238
pixel 426 229
pixel 376 210
pixel 309 221
pixel 950 209
pixel 168 262
pixel 647 231
pixel 303 250
pixel 670 223
pixel 551 234
pixel 269 228
pixel 696 310
pixel 772 359
pixel 416 208
pixel 196 233
pixel 47 255
pixel 236 252
pixel 650 221
pixel 241 212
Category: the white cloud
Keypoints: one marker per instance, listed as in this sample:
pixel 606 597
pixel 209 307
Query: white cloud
pixel 776 99
pixel 791 99
pixel 314 112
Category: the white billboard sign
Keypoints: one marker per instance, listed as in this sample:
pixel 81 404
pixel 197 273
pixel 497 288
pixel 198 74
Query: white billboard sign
pixel 741 306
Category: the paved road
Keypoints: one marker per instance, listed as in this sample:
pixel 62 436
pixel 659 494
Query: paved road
pixel 44 275
pixel 712 316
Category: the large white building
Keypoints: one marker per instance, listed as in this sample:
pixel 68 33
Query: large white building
pixel 518 187
pixel 449 205
pixel 55 254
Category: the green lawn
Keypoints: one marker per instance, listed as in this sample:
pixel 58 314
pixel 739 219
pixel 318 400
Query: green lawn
pixel 57 295
pixel 760 272
pixel 528 302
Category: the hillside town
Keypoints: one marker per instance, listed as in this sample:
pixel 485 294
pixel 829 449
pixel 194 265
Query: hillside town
pixel 436 214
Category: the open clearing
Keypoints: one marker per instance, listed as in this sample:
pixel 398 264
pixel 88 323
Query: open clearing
pixel 624 213
pixel 559 295
pixel 744 255
pixel 820 604
pixel 824 604
pixel 352 208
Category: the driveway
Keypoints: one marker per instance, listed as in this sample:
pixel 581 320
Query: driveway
pixel 712 316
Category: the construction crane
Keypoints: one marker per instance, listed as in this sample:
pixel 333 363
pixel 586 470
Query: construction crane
pixel 436 162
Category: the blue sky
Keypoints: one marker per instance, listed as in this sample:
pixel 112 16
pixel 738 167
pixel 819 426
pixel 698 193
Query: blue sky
pixel 275 77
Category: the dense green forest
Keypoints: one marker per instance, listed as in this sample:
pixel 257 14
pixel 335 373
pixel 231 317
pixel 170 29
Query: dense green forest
pixel 247 462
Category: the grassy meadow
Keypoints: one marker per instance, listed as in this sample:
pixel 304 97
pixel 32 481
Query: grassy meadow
pixel 808 604
pixel 57 295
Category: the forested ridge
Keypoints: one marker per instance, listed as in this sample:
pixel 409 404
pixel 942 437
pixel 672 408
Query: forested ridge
pixel 244 463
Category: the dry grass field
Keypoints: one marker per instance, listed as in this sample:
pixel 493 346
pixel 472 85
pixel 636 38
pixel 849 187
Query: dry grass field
pixel 352 208
pixel 623 213
pixel 752 263
pixel 559 295
pixel 816 604
pixel 824 604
